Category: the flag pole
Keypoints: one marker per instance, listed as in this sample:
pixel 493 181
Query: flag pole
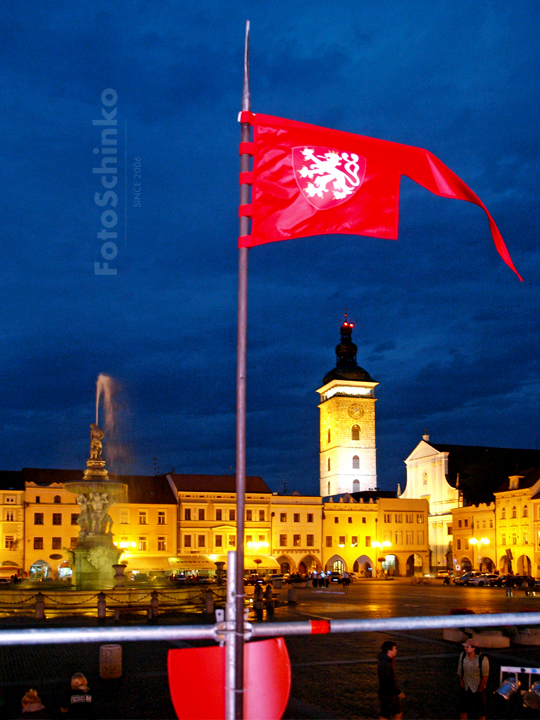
pixel 245 136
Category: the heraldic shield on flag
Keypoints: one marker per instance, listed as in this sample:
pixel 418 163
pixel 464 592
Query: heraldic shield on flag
pixel 309 180
pixel 327 178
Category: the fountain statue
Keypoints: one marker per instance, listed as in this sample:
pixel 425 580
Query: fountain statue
pixel 93 558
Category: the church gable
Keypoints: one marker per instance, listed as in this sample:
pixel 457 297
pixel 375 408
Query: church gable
pixel 422 450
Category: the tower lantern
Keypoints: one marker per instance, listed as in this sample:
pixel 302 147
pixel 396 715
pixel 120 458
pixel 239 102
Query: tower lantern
pixel 348 460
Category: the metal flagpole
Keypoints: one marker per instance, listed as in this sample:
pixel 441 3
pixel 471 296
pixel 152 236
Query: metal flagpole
pixel 241 407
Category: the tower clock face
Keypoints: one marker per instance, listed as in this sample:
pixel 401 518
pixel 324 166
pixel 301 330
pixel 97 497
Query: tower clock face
pixel 356 411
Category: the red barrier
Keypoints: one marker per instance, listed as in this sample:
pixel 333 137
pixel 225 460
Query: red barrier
pixel 197 681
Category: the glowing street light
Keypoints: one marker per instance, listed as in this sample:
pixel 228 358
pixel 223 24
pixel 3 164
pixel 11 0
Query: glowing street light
pixel 478 541
pixel 376 544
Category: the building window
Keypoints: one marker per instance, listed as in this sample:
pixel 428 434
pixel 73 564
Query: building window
pixel 57 519
pixel 349 519
pixel 38 543
pixel 249 539
pixel 261 515
pixel 424 479
pixel 408 517
pixel 356 485
pixel 388 537
pixel 219 541
pixel 356 462
pixel 57 500
pixel 483 523
pixel 420 537
pixel 341 542
pixel 399 537
pixel 142 544
pixel 201 541
pixel 355 432
pixel 328 464
pixel 408 537
pixel 420 519
pixel 514 538
pixel 449 530
pixel 310 517
pixel 9 542
pixel 525 538
pixel 201 514
pixel 74 518
pixel 310 540
pixel 161 543
pixel 73 542
pixel 329 435
pixel 328 541
pixel 491 523
pixel 364 520
pixel 38 499
pixel 368 540
pixel 187 513
pixel 354 541
pixel 336 519
pixel 249 515
pixel 282 517
pixel 465 523
pixel 219 514
pixel 232 540
pixel 387 517
pixel 38 518
pixel 296 540
pixel 458 544
pixel 10 516
pixel 296 517
pixel 142 517
pixel 161 517
pixel 399 517
pixel 124 517
pixel 459 523
pixel 514 512
pixel 503 513
pixel 232 516
pixel 57 543
pixel 328 489
pixel 525 511
pixel 282 541
pixel 503 539
pixel 187 540
pixel 10 500
pixel 466 545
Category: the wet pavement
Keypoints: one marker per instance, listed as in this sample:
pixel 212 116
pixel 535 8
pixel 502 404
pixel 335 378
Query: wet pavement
pixel 333 676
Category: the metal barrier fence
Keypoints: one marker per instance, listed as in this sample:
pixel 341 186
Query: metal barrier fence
pixel 219 631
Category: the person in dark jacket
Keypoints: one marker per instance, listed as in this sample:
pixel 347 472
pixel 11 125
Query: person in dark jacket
pixel 79 702
pixel 389 693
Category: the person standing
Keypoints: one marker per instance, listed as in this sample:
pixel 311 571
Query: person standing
pixel 473 673
pixel 389 693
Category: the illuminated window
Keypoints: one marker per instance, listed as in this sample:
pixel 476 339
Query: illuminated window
pixel 38 543
pixel 356 462
pixel 355 432
pixel 420 519
pixel 57 519
pixel 142 544
pixel 282 517
pixel 232 540
pixel 124 517
pixel 57 543
pixel 296 540
pixel 354 541
pixel 143 517
pixel 310 540
pixel 161 543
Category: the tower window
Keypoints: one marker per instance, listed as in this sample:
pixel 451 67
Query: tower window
pixel 355 432
pixel 356 462
pixel 356 486
pixel 329 464
pixel 329 435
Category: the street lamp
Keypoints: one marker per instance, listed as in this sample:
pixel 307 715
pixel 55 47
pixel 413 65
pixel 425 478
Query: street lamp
pixel 376 544
pixel 478 541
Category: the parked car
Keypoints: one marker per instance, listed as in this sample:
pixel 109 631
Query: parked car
pixel 443 573
pixel 482 580
pixel 464 579
pixel 335 577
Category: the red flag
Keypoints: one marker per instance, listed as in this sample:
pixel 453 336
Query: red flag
pixel 309 180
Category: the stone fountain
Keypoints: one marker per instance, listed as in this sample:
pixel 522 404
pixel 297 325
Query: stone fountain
pixel 93 559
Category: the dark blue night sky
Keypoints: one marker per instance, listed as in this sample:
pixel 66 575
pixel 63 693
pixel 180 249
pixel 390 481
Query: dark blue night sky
pixel 441 322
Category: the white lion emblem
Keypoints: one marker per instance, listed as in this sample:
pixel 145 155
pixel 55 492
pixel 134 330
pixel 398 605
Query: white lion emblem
pixel 334 176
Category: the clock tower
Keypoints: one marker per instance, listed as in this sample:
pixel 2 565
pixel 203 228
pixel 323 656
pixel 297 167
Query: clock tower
pixel 348 461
